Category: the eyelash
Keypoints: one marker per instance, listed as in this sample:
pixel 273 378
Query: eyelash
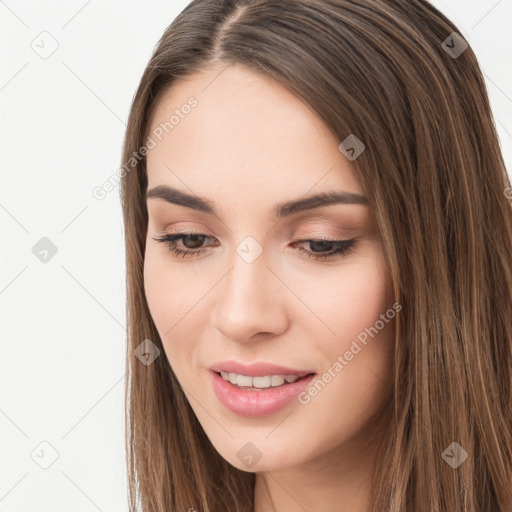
pixel 344 247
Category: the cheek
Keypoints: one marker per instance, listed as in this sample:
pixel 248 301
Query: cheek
pixel 358 347
pixel 176 303
pixel 350 300
pixel 169 293
pixel 156 287
pixel 164 297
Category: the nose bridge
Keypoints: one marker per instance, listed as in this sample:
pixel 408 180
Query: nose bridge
pixel 248 301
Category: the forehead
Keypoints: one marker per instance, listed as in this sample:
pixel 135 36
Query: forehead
pixel 244 129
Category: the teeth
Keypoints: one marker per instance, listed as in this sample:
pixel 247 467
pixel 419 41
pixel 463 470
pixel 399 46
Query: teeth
pixel 241 380
pixel 268 381
pixel 277 380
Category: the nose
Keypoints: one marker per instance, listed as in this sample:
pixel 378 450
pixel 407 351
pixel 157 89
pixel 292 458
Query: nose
pixel 251 301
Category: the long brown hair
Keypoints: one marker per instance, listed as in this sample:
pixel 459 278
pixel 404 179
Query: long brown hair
pixel 432 169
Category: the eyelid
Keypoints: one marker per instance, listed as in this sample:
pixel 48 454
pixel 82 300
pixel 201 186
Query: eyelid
pixel 319 234
pixel 309 235
pixel 186 230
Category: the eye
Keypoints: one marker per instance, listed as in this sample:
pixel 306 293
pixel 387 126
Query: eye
pixel 194 240
pixel 193 243
pixel 327 248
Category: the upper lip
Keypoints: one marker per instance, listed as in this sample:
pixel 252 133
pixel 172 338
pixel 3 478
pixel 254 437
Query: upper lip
pixel 260 369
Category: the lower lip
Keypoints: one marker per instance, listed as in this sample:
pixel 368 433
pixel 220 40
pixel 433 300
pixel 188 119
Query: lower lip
pixel 253 403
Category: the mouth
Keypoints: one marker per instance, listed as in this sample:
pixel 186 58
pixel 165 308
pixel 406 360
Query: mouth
pixel 258 397
pixel 261 383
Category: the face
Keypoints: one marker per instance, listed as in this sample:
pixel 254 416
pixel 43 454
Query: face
pixel 234 276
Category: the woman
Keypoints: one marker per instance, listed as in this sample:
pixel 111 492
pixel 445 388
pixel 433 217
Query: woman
pixel 319 255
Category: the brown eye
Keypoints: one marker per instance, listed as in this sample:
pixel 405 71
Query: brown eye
pixel 193 246
pixel 329 247
pixel 195 240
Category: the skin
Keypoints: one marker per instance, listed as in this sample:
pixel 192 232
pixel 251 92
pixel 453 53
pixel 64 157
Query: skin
pixel 248 145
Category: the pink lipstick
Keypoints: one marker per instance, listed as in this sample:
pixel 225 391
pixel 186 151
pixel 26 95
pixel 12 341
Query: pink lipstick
pixel 258 389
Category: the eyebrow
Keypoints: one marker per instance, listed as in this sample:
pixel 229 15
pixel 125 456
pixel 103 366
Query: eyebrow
pixel 175 196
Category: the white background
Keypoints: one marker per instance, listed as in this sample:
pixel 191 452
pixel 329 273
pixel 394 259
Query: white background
pixel 63 322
